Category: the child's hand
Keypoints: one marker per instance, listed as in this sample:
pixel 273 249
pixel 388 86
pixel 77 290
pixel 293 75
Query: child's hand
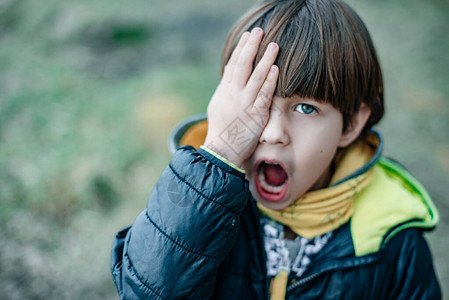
pixel 240 106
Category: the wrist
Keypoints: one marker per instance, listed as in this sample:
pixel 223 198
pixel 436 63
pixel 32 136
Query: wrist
pixel 224 152
pixel 221 158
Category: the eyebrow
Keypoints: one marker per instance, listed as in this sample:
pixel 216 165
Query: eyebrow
pixel 296 98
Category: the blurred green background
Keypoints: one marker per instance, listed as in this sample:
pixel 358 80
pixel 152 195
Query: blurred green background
pixel 90 89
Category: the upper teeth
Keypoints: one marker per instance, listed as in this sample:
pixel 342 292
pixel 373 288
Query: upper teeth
pixel 267 187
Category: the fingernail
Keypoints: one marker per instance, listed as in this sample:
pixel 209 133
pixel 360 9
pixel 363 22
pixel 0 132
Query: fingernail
pixel 256 31
pixel 272 47
pixel 245 36
pixel 273 69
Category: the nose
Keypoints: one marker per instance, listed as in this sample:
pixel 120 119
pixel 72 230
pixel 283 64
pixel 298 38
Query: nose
pixel 275 132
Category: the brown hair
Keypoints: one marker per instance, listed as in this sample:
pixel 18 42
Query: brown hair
pixel 326 53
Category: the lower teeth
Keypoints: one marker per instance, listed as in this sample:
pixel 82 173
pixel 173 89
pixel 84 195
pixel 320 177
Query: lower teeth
pixel 270 188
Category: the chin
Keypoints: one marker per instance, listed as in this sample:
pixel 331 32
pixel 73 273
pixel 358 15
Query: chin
pixel 275 205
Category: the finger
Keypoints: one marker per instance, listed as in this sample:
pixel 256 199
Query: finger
pixel 265 96
pixel 229 68
pixel 244 64
pixel 261 71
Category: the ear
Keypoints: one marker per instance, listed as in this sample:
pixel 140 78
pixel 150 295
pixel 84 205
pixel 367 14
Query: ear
pixel 355 127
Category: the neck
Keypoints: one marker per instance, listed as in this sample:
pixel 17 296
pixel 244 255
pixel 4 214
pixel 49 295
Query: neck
pixel 288 233
pixel 324 179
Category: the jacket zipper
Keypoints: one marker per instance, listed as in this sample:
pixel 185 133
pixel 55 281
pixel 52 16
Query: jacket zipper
pixel 267 279
pixel 303 281
pixel 315 275
pixel 285 264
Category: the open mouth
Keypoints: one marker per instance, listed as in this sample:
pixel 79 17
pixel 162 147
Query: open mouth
pixel 271 180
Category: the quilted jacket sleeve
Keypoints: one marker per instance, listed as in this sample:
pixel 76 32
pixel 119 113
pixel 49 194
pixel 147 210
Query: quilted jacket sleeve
pixel 175 246
pixel 413 275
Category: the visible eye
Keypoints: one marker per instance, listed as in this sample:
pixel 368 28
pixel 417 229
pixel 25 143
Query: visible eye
pixel 306 109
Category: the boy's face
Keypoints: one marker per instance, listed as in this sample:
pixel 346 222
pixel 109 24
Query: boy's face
pixel 295 151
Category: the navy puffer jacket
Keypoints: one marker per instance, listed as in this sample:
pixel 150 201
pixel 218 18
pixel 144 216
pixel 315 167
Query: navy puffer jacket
pixel 199 238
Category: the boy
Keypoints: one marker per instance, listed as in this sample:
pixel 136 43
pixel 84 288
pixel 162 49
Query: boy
pixel 287 196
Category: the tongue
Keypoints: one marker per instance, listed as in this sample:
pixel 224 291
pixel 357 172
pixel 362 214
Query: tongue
pixel 275 175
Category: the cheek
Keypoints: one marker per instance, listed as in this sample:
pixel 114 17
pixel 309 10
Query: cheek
pixel 326 150
pixel 248 167
pixel 245 167
pixel 317 151
pixel 318 143
pixel 330 134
